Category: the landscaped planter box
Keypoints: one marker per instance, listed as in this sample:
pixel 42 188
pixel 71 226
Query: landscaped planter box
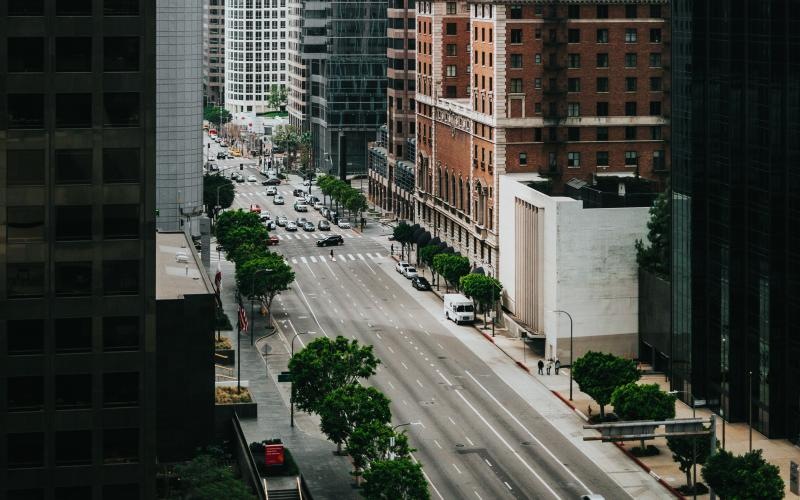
pixel 224 410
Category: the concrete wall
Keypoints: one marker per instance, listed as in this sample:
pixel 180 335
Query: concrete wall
pixel 587 266
pixel 179 111
pixel 654 320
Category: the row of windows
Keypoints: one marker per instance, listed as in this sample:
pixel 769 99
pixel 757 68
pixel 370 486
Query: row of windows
pixel 577 11
pixel 72 54
pixel 603 159
pixel 27 450
pixel 72 335
pixel 631 60
pixel 574 35
pixel 27 111
pixel 26 167
pixel 72 391
pixel 72 279
pixel 73 7
pixel 25 224
pixel 601 84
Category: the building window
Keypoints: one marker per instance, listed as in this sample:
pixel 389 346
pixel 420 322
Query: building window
pixel 658 160
pixel 602 158
pixel 573 133
pixel 120 389
pixel 25 7
pixel 516 61
pixel 25 394
pixel 120 277
pixel 630 35
pixel 121 333
pixel 573 109
pixel 24 224
pixel 602 60
pixel 516 85
pixel 537 83
pixel 655 59
pixel 630 133
pixel 120 165
pixel 121 221
pixel 73 448
pixel 121 109
pixel 25 55
pixel 74 8
pixel 25 450
pixel 25 280
pixel 630 11
pixel 573 36
pixel 537 58
pixel 516 36
pixel 573 159
pixel 602 133
pixel 73 54
pixel 516 12
pixel 655 35
pixel 121 53
pixel 73 166
pixel 25 111
pixel 630 60
pixel 73 279
pixel 523 158
pixel 655 133
pixel 574 11
pixel 630 108
pixel 121 7
pixel 602 84
pixel 451 28
pixel 602 12
pixel 655 11
pixel 73 391
pixel 451 8
pixel 452 50
pixel 451 70
pixel 574 84
pixel 574 61
pixel 602 36
pixel 655 84
pixel 537 33
pixel 602 108
pixel 73 223
pixel 655 108
pixel 74 110
pixel 631 158
pixel 630 84
pixel 25 336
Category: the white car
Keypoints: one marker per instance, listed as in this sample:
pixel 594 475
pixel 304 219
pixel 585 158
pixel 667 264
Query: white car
pixel 306 182
pixel 278 200
pixel 318 206
pixel 252 178
pixel 265 216
pixel 401 266
pixel 344 224
pixel 272 191
pixel 409 272
pixel 291 226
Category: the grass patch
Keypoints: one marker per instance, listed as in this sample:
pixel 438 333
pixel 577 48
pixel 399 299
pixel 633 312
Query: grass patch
pixel 229 395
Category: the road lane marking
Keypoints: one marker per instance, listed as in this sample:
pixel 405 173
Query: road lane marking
pixel 457 469
pixel 514 418
pixel 305 236
pixel 300 289
pixel 477 495
pixel 404 365
pixel 405 403
pixel 451 420
pixel 390 384
pixel 488 462
pixel 436 490
pixel 507 485
pixel 304 260
pixel 294 261
pixel 379 336
pixel 390 349
pixel 419 383
pixel 361 256
pixel 469 441
pixel 350 256
pixel 370 255
pixel 437 444
pixel 313 259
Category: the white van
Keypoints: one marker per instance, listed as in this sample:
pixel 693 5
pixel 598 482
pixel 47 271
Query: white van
pixel 458 308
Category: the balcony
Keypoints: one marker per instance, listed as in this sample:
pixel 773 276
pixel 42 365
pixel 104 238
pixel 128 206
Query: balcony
pixel 554 42
pixel 554 91
pixel 550 170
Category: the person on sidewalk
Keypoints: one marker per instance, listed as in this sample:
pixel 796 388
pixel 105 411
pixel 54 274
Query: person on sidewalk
pixel 549 365
pixel 332 256
pixel 541 366
pixel 557 365
pixel 392 249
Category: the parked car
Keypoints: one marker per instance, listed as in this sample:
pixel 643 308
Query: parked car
pixel 410 272
pixel 282 220
pixel 420 283
pixel 272 181
pixel 300 206
pixel 298 192
pixel 240 178
pixel 324 211
pixel 400 266
pixel 308 226
pixel 221 155
pixel 324 225
pixel 255 208
pixel 272 191
pixel 278 200
pixel 273 240
pixel 331 215
pixel 270 225
pixel 265 216
pixel 291 226
pixel 344 224
pixel 318 206
pixel 251 178
pixel 330 241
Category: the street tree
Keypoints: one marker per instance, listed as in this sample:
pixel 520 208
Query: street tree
pixel 452 267
pixel 214 185
pixel 743 477
pixel 403 234
pixel 483 289
pixel 325 365
pixel 398 479
pixel 276 99
pixel 655 257
pixel 232 219
pixel 373 441
pixel 216 114
pixel 264 277
pixel 687 451
pixel 236 238
pixel 598 374
pixel 287 137
pixel 305 150
pixel 427 253
pixel 642 402
pixel 347 407
pixel 209 477
pixel 357 203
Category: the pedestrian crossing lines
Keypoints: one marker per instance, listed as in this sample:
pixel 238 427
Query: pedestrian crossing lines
pixel 322 259
pixel 308 236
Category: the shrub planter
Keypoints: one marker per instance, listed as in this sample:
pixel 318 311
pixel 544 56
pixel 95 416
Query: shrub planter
pixel 245 409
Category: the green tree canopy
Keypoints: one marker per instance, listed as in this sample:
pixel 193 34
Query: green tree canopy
pixel 373 441
pixel 216 114
pixel 743 477
pixel 642 402
pixel 427 253
pixel 452 267
pixel 232 219
pixel 403 234
pixel 226 191
pixel 349 406
pixel 324 366
pixel 483 289
pixel 206 477
pixel 398 479
pixel 276 99
pixel 243 243
pixel 254 280
pixel 655 257
pixel 688 450
pixel 288 137
pixel 598 374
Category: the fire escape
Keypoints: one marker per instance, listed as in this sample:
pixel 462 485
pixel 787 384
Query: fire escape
pixel 554 84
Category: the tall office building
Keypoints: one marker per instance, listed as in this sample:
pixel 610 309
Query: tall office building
pixel 339 77
pixel 735 210
pixel 565 89
pixel 214 52
pixel 77 249
pixel 391 175
pixel 179 115
pixel 255 53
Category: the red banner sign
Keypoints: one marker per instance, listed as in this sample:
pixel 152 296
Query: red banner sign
pixel 273 454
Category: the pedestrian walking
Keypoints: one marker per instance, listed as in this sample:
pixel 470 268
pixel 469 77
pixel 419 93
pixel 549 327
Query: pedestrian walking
pixel 332 255
pixel 541 366
pixel 557 365
pixel 549 365
pixel 392 247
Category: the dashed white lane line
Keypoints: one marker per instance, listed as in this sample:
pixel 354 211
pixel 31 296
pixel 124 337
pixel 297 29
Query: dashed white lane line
pixel 390 349
pixel 457 469
pixel 405 402
pixel 477 495
pixel 391 385
pixel 379 336
pixel 451 420
pixel 507 485
pixel 427 478
pixel 404 365
pixel 469 441
pixel 350 256
pixel 437 444
pixel 419 383
pixel 488 462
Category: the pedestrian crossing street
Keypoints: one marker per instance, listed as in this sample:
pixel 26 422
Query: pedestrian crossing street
pixel 339 257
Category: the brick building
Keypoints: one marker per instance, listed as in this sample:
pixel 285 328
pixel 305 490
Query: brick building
pixel 391 172
pixel 566 89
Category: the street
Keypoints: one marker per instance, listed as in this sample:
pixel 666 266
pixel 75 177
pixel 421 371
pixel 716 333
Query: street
pixel 476 437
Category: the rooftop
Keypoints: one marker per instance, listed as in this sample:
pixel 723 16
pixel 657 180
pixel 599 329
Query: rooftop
pixel 178 268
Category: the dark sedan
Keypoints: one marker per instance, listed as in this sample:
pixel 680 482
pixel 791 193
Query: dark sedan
pixel 331 240
pixel 274 181
pixel 324 225
pixel 420 283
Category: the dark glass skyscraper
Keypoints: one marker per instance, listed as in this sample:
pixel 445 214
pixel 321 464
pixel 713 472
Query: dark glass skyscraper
pixel 736 209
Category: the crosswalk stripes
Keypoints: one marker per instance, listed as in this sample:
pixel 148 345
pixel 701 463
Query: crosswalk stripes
pixel 350 256
pixel 321 259
pixel 313 259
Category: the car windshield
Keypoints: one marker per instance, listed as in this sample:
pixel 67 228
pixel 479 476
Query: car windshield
pixel 464 309
pixel 410 270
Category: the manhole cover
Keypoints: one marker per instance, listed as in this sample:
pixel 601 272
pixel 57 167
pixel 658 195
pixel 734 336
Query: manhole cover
pixel 526 443
pixel 459 445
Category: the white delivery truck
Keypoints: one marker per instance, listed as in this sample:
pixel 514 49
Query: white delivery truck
pixel 458 308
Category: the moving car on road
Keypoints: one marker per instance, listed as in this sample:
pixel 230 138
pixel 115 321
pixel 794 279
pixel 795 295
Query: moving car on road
pixel 255 208
pixel 330 241
pixel 298 192
pixel 401 266
pixel 278 200
pixel 265 216
pixel 272 240
pixel 420 283
pixel 270 225
pixel 251 178
pixel 458 308
pixel 272 181
pixel 272 191
pixel 291 226
pixel 240 178
pixel 344 224
pixel 410 272
pixel 324 225
pixel 308 226
pixel 300 221
pixel 300 206
pixel 318 206
pixel 282 220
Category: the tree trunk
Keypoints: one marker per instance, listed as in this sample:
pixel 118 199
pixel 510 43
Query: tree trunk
pixel 602 410
pixel 689 477
pixel 338 448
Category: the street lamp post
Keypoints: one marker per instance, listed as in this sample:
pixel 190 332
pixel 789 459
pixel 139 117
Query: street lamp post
pixel 570 349
pixel 291 396
pixel 694 443
pixel 252 293
pixel 750 406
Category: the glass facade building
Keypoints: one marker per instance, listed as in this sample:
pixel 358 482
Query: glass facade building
pixel 735 209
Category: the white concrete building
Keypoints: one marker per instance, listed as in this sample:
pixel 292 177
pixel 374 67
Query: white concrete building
pixel 557 255
pixel 255 52
pixel 179 114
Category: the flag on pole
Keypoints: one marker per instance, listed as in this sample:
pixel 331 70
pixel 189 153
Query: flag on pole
pixel 242 319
